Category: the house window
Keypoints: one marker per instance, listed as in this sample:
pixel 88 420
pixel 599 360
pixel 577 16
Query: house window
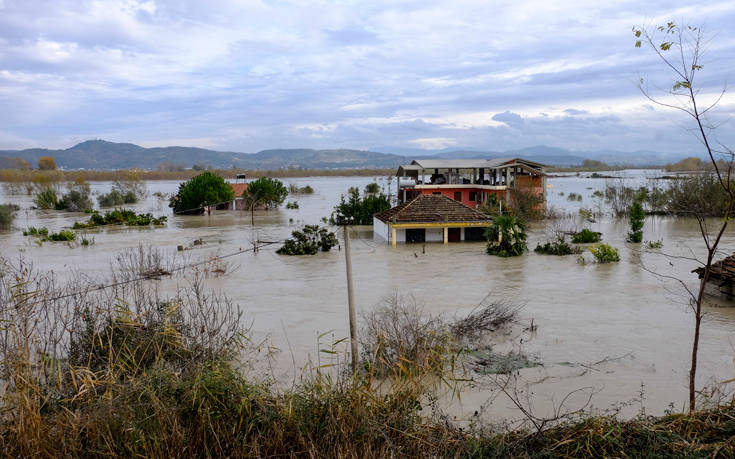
pixel 473 195
pixel 457 195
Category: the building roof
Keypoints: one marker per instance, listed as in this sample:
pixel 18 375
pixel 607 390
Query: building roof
pixel 722 271
pixel 428 208
pixel 238 188
pixel 497 163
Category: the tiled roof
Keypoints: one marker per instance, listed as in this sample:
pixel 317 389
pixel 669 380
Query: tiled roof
pixel 238 188
pixel 723 270
pixel 428 208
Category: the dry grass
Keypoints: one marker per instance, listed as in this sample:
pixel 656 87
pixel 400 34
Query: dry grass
pixel 125 372
pixel 23 177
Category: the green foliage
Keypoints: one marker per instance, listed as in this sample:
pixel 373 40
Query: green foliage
pixel 586 236
pixel 33 231
pixel 292 205
pixel 604 253
pixel 574 197
pixel 199 192
pixel 265 191
pixel 525 203
pixel 309 241
pixel 46 198
pixel 63 235
pixel 507 237
pixel 372 188
pixel 7 215
pixel 637 217
pixel 121 217
pixel 116 198
pixel 559 246
pixel 294 189
pixel 76 200
pixel 655 244
pixel 358 211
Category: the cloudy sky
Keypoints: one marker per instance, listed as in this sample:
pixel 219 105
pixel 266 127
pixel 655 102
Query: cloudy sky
pixel 388 75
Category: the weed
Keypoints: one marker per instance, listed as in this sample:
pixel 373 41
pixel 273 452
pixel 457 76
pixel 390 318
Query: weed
pixel 559 246
pixel 586 236
pixel 655 244
pixel 604 253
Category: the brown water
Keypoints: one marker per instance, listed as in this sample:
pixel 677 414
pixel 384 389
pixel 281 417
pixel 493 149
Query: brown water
pixel 585 314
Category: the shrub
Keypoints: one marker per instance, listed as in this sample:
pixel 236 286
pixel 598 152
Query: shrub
pixel 46 198
pixel 358 211
pixel 586 236
pixel 525 203
pixel 372 188
pixel 204 190
pixel 76 200
pixel 63 235
pixel 309 241
pixel 121 217
pixel 292 205
pixel 574 197
pixel 637 217
pixel 33 231
pixel 507 237
pixel 116 198
pixel 7 215
pixel 559 246
pixel 604 253
pixel 294 189
pixel 655 244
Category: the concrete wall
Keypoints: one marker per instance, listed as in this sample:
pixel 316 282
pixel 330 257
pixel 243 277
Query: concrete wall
pixel 381 229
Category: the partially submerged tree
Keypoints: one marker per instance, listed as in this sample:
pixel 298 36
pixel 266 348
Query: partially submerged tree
pixel 47 163
pixel 507 237
pixel 637 217
pixel 309 241
pixel 679 47
pixel 358 211
pixel 265 191
pixel 201 192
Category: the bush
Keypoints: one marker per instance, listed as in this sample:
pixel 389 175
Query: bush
pixel 63 235
pixel 292 205
pixel 75 201
pixel 43 235
pixel 655 244
pixel 358 211
pixel 372 188
pixel 309 241
pixel 604 253
pixel 46 198
pixel 33 231
pixel 525 203
pixel 116 198
pixel 121 217
pixel 507 237
pixel 586 236
pixel 574 197
pixel 559 246
pixel 637 217
pixel 294 189
pixel 7 215
pixel 199 192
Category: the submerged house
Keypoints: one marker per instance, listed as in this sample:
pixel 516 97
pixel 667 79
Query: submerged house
pixel 431 218
pixel 238 188
pixel 721 281
pixel 470 181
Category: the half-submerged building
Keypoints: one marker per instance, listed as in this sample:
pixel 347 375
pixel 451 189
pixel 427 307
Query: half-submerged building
pixel 470 181
pixel 431 218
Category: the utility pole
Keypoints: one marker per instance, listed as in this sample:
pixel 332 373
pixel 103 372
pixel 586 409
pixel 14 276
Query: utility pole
pixel 351 299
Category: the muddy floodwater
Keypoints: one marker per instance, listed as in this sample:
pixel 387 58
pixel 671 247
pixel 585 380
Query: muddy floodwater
pixel 615 328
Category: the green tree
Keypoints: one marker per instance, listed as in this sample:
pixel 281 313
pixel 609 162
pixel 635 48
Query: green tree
pixel 637 217
pixel 507 237
pixel 309 241
pixel 201 192
pixel 265 191
pixel 358 211
pixel 47 163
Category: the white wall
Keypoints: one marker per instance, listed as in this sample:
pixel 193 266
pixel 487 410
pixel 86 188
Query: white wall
pixel 381 229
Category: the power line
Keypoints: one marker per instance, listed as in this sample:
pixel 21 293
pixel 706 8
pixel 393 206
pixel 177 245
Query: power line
pixel 173 270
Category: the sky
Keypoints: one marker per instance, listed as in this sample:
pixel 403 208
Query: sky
pixel 392 76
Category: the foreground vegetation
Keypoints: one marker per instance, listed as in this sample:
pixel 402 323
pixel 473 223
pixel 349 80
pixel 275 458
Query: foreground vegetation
pixel 126 372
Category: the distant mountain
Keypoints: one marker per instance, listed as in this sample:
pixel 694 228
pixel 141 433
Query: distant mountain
pixel 100 154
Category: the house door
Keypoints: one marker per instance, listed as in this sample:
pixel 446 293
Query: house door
pixel 474 234
pixel 415 235
pixel 454 234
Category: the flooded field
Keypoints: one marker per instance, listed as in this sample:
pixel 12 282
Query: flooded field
pixel 616 328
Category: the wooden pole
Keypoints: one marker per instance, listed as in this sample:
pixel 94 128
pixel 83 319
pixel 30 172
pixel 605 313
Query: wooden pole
pixel 351 300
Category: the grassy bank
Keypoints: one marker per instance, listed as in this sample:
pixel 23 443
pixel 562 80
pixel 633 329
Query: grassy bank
pixel 38 176
pixel 127 372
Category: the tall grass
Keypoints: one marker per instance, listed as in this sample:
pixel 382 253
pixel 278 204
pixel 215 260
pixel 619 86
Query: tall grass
pixel 128 372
